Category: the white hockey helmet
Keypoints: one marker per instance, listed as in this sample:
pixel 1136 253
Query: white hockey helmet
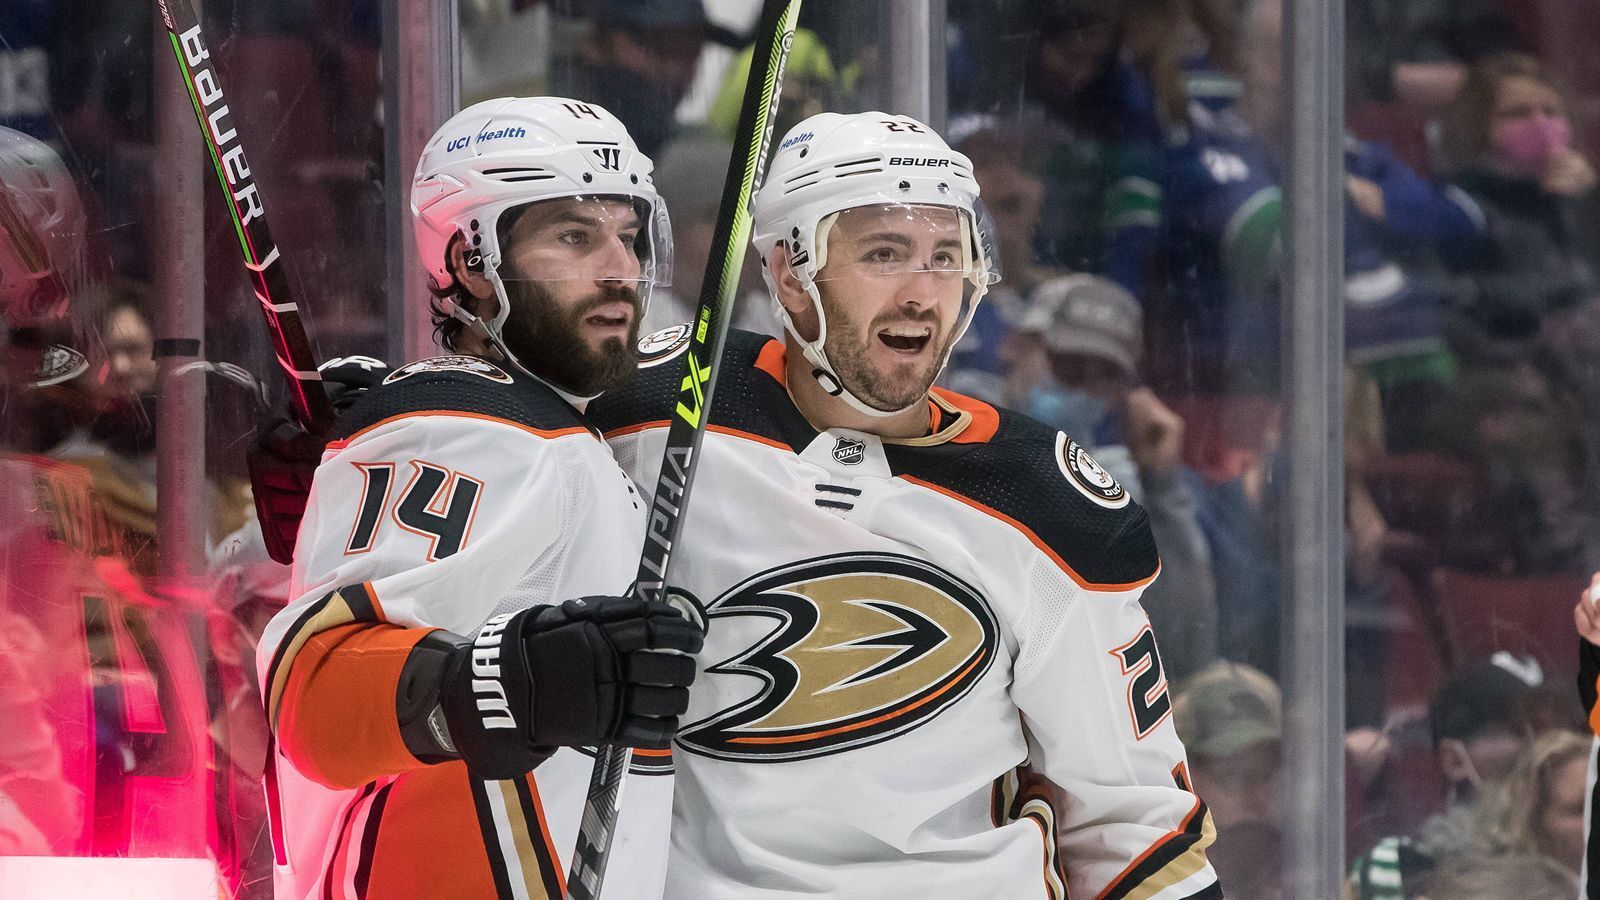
pixel 45 303
pixel 502 154
pixel 830 163
pixel 42 232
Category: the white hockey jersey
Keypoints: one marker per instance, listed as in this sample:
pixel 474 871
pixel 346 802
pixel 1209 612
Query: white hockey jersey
pixel 927 672
pixel 457 492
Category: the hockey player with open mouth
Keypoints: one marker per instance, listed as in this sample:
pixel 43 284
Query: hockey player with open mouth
pixel 927 672
pixel 458 630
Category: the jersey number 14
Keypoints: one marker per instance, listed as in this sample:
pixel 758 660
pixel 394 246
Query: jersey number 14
pixel 437 503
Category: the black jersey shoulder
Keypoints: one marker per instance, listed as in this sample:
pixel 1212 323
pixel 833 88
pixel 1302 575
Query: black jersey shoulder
pixel 1044 481
pixel 747 398
pixel 461 384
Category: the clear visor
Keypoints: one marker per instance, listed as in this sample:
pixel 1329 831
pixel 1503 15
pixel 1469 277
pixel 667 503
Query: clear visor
pixel 607 238
pixel 899 240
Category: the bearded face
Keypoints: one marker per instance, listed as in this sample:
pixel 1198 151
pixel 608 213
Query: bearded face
pixel 572 272
pixel 586 345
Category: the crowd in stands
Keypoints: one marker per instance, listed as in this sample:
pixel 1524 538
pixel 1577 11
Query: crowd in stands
pixel 1132 155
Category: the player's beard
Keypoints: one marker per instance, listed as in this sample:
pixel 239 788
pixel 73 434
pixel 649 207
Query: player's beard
pixel 549 340
pixel 849 347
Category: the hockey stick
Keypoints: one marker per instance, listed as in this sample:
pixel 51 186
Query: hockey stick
pixel 270 281
pixel 775 35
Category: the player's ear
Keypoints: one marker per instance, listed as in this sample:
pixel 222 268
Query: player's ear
pixel 791 292
pixel 1454 763
pixel 467 266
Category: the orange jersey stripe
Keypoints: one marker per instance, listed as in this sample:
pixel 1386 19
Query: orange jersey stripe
pixel 430 843
pixel 1037 542
pixel 1594 714
pixel 985 418
pixel 771 361
pixel 336 718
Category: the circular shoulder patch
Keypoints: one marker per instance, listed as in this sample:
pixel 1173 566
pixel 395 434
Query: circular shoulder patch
pixel 1088 476
pixel 658 347
pixel 472 365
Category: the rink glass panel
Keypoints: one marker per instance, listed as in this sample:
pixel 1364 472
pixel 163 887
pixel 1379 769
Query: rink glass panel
pixel 131 737
pixel 1145 149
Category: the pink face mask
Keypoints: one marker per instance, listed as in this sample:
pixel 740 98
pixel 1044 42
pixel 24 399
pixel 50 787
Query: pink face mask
pixel 1526 144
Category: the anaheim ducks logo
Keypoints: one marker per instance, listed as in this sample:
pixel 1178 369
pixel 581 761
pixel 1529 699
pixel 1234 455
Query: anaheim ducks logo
pixel 867 646
pixel 1088 476
pixel 660 346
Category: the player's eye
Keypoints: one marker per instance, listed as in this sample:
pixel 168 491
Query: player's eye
pixel 945 261
pixel 573 238
pixel 881 255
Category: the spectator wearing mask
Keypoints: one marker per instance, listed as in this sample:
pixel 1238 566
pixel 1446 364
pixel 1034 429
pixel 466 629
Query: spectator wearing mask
pixel 1509 139
pixel 1084 334
pixel 1481 722
pixel 1532 318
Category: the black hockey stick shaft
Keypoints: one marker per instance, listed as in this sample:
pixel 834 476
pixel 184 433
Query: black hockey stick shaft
pixel 774 36
pixel 267 275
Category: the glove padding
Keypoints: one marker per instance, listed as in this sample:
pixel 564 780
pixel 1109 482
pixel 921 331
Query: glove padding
pixel 284 457
pixel 611 670
pixel 600 670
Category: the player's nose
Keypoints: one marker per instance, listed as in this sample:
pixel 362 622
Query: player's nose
pixel 617 263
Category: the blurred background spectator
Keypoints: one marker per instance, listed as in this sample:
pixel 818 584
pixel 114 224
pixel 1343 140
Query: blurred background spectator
pixel 1461 783
pixel 1084 336
pixel 1228 717
pixel 639 62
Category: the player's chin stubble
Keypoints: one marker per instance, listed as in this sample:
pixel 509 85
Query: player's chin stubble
pixel 550 342
pixel 888 391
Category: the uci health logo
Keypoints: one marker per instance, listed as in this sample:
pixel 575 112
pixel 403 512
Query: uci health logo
pixel 485 136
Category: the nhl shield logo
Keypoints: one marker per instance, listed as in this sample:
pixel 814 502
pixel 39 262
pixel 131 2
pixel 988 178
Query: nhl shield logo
pixel 849 452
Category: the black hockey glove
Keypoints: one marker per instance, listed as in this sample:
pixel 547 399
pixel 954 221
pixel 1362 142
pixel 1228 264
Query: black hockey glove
pixel 600 670
pixel 285 456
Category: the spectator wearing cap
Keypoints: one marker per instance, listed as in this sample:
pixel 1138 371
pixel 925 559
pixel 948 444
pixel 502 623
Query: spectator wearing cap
pixel 1230 718
pixel 1482 723
pixel 1084 334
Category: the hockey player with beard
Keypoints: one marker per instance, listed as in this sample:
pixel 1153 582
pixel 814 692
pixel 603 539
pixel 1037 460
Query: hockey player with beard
pixel 927 673
pixel 458 632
